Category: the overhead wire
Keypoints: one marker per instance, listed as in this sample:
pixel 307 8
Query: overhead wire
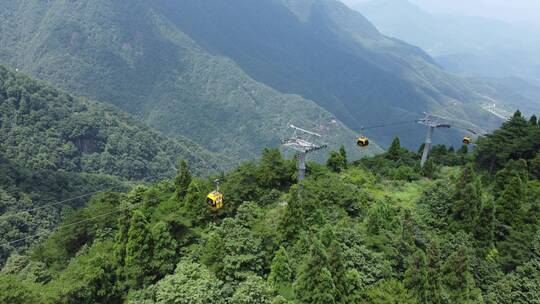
pixel 388 124
pixel 118 209
pixel 66 200
pixel 67 225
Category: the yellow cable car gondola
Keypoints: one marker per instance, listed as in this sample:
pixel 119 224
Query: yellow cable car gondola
pixel 362 141
pixel 215 198
pixel 467 140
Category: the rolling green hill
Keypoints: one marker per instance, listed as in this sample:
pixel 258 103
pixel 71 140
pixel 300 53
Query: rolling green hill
pixel 222 73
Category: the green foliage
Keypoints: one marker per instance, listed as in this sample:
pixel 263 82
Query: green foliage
pixel 191 283
pixel 89 277
pixel 358 236
pixel 314 283
pixel 139 252
pixel 44 128
pixel 516 139
pixel 280 271
pixel 14 291
pixel 254 290
pixel 434 291
pixel 182 180
pixel 416 277
pixel 467 200
pixel 337 161
pixel 165 251
pixel 388 291
pixel 458 280
pixel 394 152
pixel 522 286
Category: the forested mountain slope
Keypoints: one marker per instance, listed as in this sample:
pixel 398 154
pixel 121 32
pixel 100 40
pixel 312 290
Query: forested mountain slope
pixel 326 52
pixel 44 128
pixel 131 55
pixel 54 147
pixel 209 70
pixel 465 229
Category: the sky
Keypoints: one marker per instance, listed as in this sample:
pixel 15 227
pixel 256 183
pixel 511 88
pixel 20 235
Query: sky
pixel 512 11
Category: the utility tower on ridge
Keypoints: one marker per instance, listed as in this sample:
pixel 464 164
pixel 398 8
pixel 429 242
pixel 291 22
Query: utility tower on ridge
pixel 432 122
pixel 302 142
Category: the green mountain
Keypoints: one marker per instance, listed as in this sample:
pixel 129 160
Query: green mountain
pixel 45 128
pixel 55 147
pixel 132 56
pixel 464 229
pixel 222 72
pixel 473 46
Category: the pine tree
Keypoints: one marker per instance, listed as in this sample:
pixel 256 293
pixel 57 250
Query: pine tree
pixel 165 255
pixel 494 151
pixel 314 284
pixel 272 171
pixel 182 180
pixel 343 154
pixel 407 243
pixel 533 121
pixel 336 162
pixel 535 165
pixel 509 205
pixel 338 270
pixel 467 200
pixel 434 285
pixel 429 169
pixel 484 229
pixel 280 271
pixel 416 276
pixel 394 152
pixel 457 277
pixel 120 244
pixel 139 251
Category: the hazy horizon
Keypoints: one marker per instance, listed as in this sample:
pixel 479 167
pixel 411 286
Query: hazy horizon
pixel 515 11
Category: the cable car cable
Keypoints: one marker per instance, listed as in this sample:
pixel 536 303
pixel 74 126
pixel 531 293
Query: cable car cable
pixel 387 125
pixel 64 201
pixel 72 199
pixel 63 226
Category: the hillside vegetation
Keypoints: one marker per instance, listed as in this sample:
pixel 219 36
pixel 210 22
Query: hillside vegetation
pixel 131 55
pixel 44 128
pixel 229 75
pixel 55 147
pixel 464 229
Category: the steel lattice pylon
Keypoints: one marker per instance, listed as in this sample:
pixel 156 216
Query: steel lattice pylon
pixel 302 142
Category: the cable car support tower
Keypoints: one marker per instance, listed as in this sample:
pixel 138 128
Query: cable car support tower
pixel 432 122
pixel 302 142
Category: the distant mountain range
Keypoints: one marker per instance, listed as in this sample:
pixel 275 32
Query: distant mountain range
pixel 474 46
pixel 230 75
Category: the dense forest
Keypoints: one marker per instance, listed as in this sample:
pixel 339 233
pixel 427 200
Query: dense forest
pixel 44 128
pixel 55 147
pixel 463 229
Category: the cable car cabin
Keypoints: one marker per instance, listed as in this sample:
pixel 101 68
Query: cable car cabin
pixel 215 200
pixel 362 142
pixel 467 140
